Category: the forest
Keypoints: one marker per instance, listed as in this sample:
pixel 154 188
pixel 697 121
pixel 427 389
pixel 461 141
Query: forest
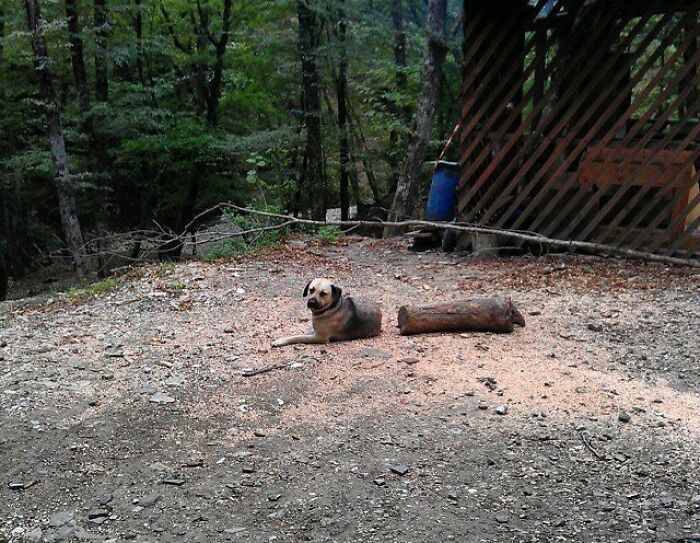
pixel 117 116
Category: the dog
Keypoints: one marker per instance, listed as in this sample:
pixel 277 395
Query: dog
pixel 334 317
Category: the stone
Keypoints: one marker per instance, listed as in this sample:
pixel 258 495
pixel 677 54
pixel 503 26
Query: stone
pixel 34 536
pixel 161 398
pixel 61 519
pixel 399 469
pixel 97 513
pixel 502 410
pixel 410 361
pixel 150 500
pixel 624 417
pixel 248 468
pixel 372 352
pixel 502 518
pixel 174 482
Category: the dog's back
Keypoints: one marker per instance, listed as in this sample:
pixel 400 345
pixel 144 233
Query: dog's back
pixel 364 319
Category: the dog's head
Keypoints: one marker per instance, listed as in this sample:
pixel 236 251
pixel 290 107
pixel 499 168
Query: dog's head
pixel 320 294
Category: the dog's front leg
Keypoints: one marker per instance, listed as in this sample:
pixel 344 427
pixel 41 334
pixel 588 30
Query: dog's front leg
pixel 312 339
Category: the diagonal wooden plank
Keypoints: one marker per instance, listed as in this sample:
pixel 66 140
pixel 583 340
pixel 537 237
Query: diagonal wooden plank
pixel 561 146
pixel 559 107
pixel 641 144
pixel 583 142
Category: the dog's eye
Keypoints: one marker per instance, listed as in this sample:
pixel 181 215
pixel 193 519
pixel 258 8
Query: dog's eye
pixel 323 293
pixel 312 290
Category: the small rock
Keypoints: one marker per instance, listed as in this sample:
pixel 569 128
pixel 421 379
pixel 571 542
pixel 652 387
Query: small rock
pixel 502 410
pixel 482 407
pixel 469 393
pixel 161 398
pixel 248 468
pixel 60 519
pixel 410 361
pixel 379 481
pixel 97 513
pixel 371 352
pixel 259 433
pixel 174 482
pixel 399 469
pixel 149 500
pixel 274 497
pixel 34 536
pixel 452 496
pixel 593 327
pixel 3 344
pixel 624 417
pixel 502 518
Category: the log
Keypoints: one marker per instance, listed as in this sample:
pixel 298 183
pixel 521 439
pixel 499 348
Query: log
pixel 496 314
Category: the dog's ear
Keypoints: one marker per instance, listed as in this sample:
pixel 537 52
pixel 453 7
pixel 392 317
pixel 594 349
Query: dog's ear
pixel 337 291
pixel 306 289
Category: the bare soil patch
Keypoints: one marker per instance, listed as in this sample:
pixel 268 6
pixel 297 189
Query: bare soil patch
pixel 133 415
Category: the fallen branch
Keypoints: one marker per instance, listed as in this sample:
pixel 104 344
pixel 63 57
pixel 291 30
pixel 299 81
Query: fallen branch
pixel 161 235
pixel 590 447
pixel 461 227
pixel 265 369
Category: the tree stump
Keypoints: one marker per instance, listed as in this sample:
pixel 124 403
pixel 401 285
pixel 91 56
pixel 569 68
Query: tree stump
pixel 496 314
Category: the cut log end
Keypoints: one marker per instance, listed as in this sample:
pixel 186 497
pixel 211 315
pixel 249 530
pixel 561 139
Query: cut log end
pixel 496 314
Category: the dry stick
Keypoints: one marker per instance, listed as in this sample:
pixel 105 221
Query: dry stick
pixel 590 447
pixel 264 369
pixel 289 220
pixel 534 237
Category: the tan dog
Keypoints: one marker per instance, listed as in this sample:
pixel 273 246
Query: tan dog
pixel 336 318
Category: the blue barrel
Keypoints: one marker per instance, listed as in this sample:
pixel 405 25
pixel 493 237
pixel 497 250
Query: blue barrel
pixel 442 198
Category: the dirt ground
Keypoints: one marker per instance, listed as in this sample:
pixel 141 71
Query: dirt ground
pixel 134 415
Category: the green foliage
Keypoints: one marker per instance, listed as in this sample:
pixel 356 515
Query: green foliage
pixel 91 291
pixel 329 234
pixel 151 155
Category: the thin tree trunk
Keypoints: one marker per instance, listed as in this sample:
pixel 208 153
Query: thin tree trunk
pixel 342 93
pixel 407 189
pixel 101 34
pixel 214 96
pixel 397 138
pixel 78 60
pixel 65 185
pixel 4 204
pixel 315 182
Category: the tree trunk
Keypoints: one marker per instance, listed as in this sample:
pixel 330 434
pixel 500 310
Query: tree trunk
pixel 4 207
pixel 342 93
pixel 78 60
pixel 485 315
pixel 315 182
pixel 101 34
pixel 214 96
pixel 407 189
pixel 397 138
pixel 65 185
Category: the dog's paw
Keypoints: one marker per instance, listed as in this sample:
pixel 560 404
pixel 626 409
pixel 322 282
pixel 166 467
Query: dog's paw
pixel 278 343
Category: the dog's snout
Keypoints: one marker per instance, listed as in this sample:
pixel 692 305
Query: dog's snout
pixel 312 303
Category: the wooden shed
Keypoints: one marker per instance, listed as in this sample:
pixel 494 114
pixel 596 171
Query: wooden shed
pixel 580 121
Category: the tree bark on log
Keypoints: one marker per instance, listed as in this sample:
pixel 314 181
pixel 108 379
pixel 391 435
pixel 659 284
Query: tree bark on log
pixel 65 184
pixel 407 188
pixel 495 314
